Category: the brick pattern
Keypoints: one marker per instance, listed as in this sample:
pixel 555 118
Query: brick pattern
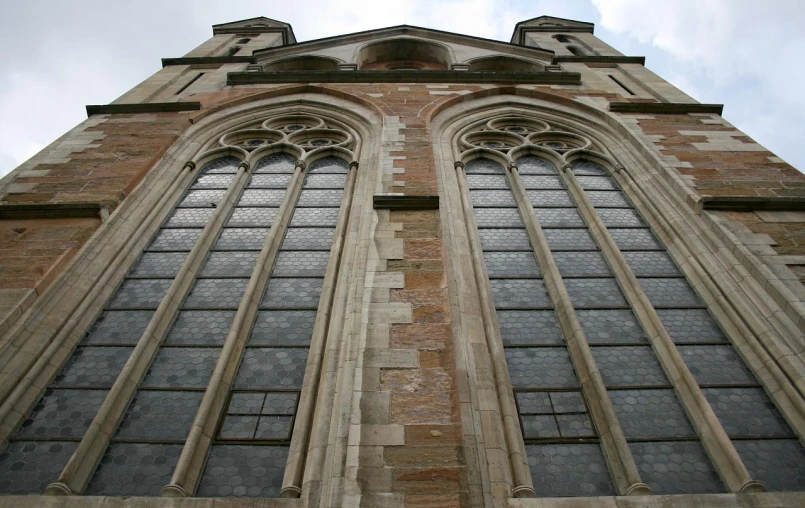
pixel 410 431
pixel 721 160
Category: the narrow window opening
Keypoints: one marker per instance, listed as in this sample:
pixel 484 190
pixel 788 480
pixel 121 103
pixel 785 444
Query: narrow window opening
pixel 613 78
pixel 233 50
pixel 187 85
pixel 561 38
pixel 244 41
pixel 576 51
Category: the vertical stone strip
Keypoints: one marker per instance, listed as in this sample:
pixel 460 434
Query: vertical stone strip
pixel 294 468
pixel 713 436
pixel 511 456
pixel 194 453
pixel 622 466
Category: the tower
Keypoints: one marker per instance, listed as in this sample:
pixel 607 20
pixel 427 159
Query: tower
pixel 403 267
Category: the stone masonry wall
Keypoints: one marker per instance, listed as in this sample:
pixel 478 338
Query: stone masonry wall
pixel 417 455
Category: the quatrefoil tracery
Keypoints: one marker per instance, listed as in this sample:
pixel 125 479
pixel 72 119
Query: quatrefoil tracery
pixel 513 136
pixel 305 132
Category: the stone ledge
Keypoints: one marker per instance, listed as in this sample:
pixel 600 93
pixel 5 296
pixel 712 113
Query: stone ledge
pixel 54 211
pixel 206 60
pixel 752 203
pixel 464 77
pixel 641 60
pixel 143 502
pixel 667 108
pixel 405 202
pixel 759 500
pixel 146 107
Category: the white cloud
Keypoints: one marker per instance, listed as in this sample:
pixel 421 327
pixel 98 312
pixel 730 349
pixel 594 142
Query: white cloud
pixel 736 52
pixel 69 54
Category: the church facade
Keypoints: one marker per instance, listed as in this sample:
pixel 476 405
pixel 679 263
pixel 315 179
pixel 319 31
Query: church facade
pixel 403 268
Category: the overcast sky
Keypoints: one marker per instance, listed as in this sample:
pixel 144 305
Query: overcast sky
pixel 61 55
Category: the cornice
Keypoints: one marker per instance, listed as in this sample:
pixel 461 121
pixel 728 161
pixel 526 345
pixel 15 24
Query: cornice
pixel 615 59
pixel 668 108
pixel 552 78
pixel 413 31
pixel 753 203
pixel 146 107
pixel 396 202
pixel 54 210
pixel 206 60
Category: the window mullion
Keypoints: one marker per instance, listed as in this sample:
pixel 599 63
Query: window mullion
pixel 523 485
pixel 294 468
pixel 17 402
pixel 613 441
pixel 84 461
pixel 191 462
pixel 714 438
pixel 736 315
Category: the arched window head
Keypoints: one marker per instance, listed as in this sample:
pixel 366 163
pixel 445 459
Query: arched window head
pixel 302 63
pixel 576 51
pixel 504 63
pixel 403 53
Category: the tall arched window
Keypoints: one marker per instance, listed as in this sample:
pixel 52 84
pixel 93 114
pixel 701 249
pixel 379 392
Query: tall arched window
pixel 195 367
pixel 622 380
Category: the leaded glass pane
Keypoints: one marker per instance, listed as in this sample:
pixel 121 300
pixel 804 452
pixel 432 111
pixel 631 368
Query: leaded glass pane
pixel 629 366
pixel 514 293
pixel 532 165
pixel 28 467
pixel 184 367
pixel 581 264
pixel 229 264
pixel 595 293
pixel 118 327
pixel 542 367
pixel 140 294
pixel 308 239
pixel 62 414
pixel 261 197
pixel 550 198
pixel 216 294
pixel 320 197
pixel 529 327
pixel 716 365
pixel 243 471
pixel 283 328
pixel 565 470
pixel 288 293
pixel 159 415
pixel 158 264
pixel 242 239
pixel 134 469
pixel 670 293
pixel 747 412
pixel 200 327
pixel 272 368
pixel 569 239
pixel 651 414
pixel 276 163
pixel 504 240
pixel 252 217
pixel 511 264
pixel 175 239
pixel 778 463
pixel 492 198
pixel 559 218
pixel 678 467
